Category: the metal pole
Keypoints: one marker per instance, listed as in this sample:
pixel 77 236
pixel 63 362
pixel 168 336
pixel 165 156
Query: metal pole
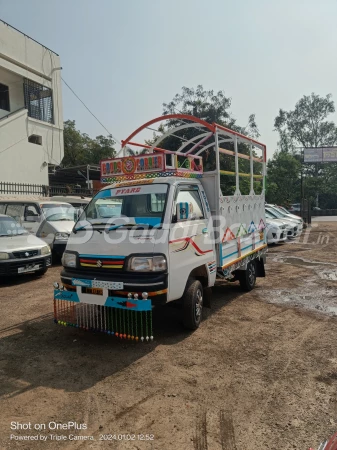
pixel 237 186
pixel 251 170
pixel 88 175
pixel 217 161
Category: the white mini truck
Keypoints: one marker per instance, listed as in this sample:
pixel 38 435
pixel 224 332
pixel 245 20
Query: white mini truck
pixel 163 230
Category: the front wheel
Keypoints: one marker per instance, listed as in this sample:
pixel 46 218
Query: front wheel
pixel 192 304
pixel 248 277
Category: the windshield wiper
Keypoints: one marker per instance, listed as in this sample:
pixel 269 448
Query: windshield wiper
pixel 140 225
pixel 83 227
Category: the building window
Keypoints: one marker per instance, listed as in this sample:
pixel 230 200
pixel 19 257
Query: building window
pixel 4 97
pixel 35 139
pixel 38 101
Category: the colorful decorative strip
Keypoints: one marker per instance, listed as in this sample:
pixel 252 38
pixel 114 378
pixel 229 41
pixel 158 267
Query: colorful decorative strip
pixel 122 321
pixel 102 261
pixel 242 257
pixel 173 173
pixel 211 266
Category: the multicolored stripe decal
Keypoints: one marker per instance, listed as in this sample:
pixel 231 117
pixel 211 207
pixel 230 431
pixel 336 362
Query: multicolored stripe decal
pixel 211 266
pixel 242 257
pixel 102 261
pixel 187 241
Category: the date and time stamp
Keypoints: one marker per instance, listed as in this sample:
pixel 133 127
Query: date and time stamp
pixel 53 431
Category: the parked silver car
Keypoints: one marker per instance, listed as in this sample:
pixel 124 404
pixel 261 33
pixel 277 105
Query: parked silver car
pixel 49 220
pixel 20 251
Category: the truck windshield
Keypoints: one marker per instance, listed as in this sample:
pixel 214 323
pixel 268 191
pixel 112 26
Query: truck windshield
pixel 54 212
pixel 9 227
pixel 145 204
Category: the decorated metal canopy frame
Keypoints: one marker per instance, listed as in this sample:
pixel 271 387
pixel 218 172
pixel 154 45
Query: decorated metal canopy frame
pixel 186 161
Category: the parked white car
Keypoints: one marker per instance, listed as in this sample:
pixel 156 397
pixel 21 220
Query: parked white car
pixel 51 221
pixel 286 212
pixel 276 231
pixel 290 231
pixel 295 224
pixel 20 251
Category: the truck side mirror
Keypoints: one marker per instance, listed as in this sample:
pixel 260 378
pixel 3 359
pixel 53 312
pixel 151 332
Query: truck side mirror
pixel 184 211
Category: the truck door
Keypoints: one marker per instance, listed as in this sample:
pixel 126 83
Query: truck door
pixel 189 245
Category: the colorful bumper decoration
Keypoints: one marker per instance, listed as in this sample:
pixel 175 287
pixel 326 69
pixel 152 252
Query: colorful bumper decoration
pixel 129 318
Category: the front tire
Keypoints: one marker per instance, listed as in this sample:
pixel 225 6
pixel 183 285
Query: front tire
pixel 192 304
pixel 248 277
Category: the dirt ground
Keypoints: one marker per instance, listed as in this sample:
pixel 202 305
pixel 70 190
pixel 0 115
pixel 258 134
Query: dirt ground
pixel 260 373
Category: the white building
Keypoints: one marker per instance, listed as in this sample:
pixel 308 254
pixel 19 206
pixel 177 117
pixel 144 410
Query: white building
pixel 31 119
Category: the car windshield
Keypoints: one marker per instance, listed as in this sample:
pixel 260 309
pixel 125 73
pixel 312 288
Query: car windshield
pixel 141 204
pixel 279 214
pixel 9 227
pixel 269 216
pixel 54 212
pixel 283 210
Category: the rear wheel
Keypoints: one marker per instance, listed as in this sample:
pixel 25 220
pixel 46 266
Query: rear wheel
pixel 248 277
pixel 192 304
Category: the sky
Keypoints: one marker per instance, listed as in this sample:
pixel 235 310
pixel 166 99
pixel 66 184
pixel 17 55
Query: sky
pixel 125 58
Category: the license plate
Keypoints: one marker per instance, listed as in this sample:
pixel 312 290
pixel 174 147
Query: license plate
pixel 94 291
pixel 29 268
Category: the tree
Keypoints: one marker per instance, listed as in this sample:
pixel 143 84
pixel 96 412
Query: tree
pixel 283 178
pixel 308 126
pixel 80 149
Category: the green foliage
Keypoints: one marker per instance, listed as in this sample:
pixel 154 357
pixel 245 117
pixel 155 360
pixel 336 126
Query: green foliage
pixel 307 126
pixel 80 149
pixel 283 178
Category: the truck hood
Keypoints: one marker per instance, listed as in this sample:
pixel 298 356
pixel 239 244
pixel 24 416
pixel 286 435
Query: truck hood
pixel 62 226
pixel 115 243
pixel 21 242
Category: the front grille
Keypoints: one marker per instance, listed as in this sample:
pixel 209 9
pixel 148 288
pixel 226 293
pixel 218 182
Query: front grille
pixel 290 233
pixel 100 264
pixel 282 236
pixel 26 254
pixel 11 268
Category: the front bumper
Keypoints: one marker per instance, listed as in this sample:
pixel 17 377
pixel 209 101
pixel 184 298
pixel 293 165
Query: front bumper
pixel 10 267
pixel 135 283
pixel 276 236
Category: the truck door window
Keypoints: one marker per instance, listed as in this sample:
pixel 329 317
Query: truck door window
pixel 191 194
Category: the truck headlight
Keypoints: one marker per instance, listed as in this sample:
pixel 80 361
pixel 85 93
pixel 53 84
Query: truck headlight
pixel 61 236
pixel 45 250
pixel 68 259
pixel 147 263
pixel 4 255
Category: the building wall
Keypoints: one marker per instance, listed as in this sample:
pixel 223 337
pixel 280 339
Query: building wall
pixel 20 160
pixel 15 87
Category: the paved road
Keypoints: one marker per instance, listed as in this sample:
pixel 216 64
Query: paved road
pixel 324 219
